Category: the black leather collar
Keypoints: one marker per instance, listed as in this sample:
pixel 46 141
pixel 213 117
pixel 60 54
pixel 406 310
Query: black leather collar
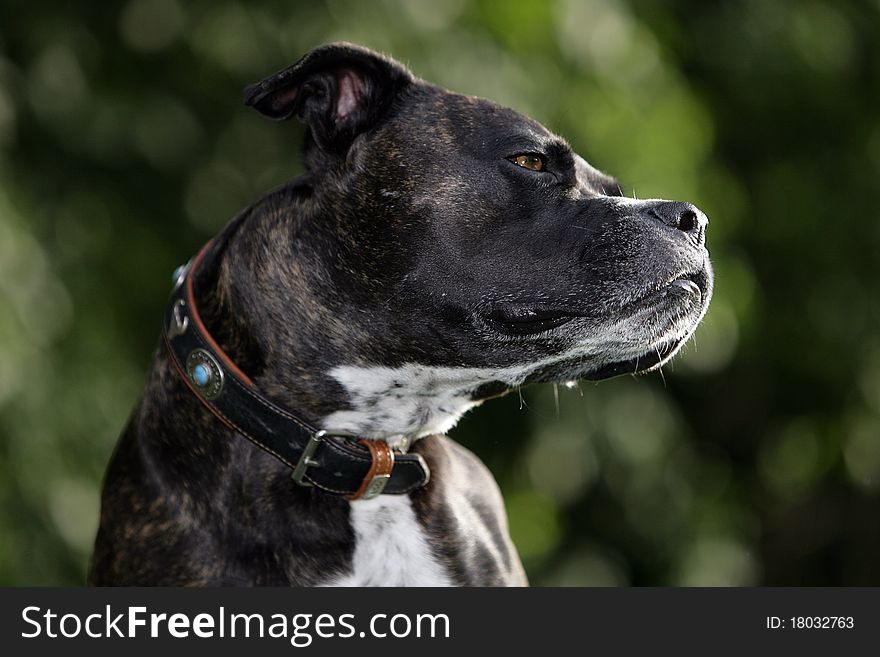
pixel 335 462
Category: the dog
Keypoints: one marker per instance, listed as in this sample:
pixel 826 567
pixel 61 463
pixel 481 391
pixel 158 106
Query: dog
pixel 440 250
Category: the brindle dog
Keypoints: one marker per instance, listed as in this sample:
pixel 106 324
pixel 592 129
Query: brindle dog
pixel 439 250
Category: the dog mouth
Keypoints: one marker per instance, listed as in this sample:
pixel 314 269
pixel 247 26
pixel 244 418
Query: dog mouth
pixel 689 287
pixel 524 319
pixel 518 320
pixel 665 314
pixel 642 363
pixel 688 291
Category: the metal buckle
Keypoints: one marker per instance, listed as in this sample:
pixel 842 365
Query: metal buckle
pixel 306 460
pixel 373 489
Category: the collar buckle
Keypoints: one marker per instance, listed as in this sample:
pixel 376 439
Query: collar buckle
pixel 374 482
pixel 306 460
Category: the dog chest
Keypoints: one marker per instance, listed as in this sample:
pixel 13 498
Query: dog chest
pixel 391 547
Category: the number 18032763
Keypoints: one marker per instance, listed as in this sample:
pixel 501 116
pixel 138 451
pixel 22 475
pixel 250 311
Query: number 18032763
pixel 810 622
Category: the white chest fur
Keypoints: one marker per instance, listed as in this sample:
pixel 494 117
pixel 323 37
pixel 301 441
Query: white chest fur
pixel 391 548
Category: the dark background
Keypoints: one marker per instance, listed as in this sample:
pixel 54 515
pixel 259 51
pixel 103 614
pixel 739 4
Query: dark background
pixel 124 145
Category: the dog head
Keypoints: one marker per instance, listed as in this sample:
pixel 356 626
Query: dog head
pixel 442 248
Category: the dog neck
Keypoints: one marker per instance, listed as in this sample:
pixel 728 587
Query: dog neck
pixel 402 404
pixel 398 405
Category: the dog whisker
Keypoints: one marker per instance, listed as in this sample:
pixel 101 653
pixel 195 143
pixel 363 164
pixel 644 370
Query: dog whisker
pixel 660 367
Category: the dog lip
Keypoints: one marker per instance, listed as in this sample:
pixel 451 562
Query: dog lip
pixel 687 285
pixel 519 313
pixel 520 319
pixel 642 363
pixel 690 283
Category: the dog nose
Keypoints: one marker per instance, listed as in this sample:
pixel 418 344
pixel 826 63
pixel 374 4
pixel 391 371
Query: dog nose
pixel 686 217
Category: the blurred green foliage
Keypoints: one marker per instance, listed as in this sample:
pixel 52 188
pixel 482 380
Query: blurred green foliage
pixel 124 145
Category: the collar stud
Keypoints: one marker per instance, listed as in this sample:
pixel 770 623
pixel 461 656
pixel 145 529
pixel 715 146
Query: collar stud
pixel 205 373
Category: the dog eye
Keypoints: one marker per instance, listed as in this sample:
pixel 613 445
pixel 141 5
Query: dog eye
pixel 529 161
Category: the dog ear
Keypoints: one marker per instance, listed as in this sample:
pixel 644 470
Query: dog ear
pixel 338 90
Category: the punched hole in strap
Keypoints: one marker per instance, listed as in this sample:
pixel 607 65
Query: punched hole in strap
pixel 380 470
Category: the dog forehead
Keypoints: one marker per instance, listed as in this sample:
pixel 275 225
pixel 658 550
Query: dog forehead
pixel 436 115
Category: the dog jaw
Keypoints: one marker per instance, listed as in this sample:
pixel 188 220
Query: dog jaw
pixel 402 404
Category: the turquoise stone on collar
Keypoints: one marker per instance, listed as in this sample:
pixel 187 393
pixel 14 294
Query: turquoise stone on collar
pixel 201 375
